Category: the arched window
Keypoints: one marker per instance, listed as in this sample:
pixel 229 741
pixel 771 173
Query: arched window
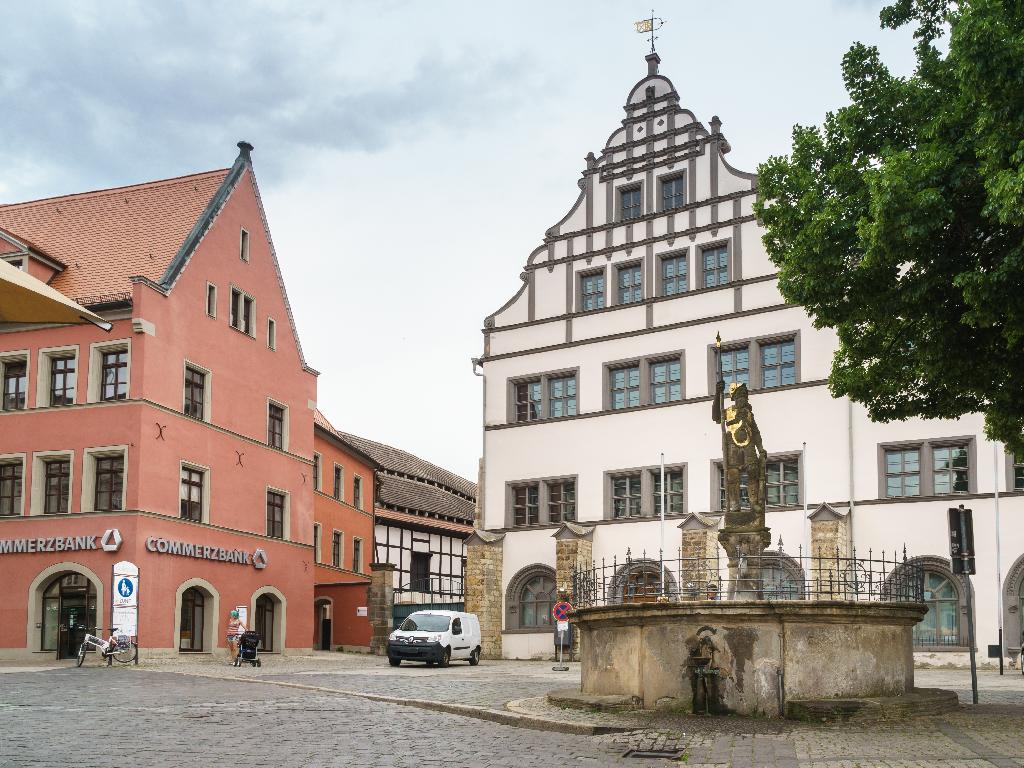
pixel 193 613
pixel 941 625
pixel 781 576
pixel 639 581
pixel 531 595
pixel 265 621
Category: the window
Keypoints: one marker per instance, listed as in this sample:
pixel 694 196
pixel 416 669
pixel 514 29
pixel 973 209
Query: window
pixel 57 486
pixel 674 276
pixel 716 266
pixel 316 471
pixel 357 492
pixel 195 393
pixel 528 400
pixel 778 364
pixel 535 600
pixel 626 496
pixel 735 367
pixel 950 469
pixel 592 291
pixel 629 200
pixel 673 492
pixel 192 494
pixel 109 483
pixel 903 472
pixel 561 501
pixel 336 549
pixel 1018 473
pixel 782 482
pixel 941 625
pixel 62 380
pixel 419 572
pixel 357 555
pixel 316 542
pixel 114 373
pixel 630 284
pixel 275 515
pixel 526 504
pixel 241 312
pixel 15 384
pixel 666 381
pixel 11 488
pixel 624 387
pixel 339 492
pixel 744 489
pixel 562 396
pixel 193 613
pixel 271 333
pixel 211 299
pixel 275 426
pixel 243 245
pixel 673 193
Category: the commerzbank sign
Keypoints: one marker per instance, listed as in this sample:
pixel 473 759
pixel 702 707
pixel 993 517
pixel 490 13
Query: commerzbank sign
pixel 257 558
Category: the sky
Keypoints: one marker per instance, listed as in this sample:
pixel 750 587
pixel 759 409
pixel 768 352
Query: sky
pixel 410 155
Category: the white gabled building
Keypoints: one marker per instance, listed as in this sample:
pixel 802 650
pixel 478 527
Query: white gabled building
pixel 603 360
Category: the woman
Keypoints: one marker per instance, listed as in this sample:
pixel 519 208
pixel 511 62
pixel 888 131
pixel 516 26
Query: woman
pixel 235 629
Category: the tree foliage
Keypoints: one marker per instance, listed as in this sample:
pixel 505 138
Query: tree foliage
pixel 900 221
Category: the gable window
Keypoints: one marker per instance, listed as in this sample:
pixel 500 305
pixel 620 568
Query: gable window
pixel 11 474
pixel 192 494
pixel 211 300
pixel 338 483
pixel 109 483
pixel 241 312
pixel 526 504
pixel 674 493
pixel 666 381
pixel 271 333
pixel 57 488
pixel 778 364
pixel 195 393
pixel 62 380
pixel 782 482
pixel 114 383
pixel 357 492
pixel 673 193
pixel 630 284
pixel 592 291
pixel 357 555
pixel 336 549
pixel 629 200
pixel 674 276
pixel 275 515
pixel 561 501
pixel 903 472
pixel 243 245
pixel 735 366
pixel 624 387
pixel 562 396
pixel 15 383
pixel 626 495
pixel 716 266
pixel 950 469
pixel 275 426
pixel 528 400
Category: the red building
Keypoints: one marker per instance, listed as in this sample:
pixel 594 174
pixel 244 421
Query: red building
pixel 181 441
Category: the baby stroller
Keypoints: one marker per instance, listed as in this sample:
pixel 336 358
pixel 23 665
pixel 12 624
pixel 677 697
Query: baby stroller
pixel 248 649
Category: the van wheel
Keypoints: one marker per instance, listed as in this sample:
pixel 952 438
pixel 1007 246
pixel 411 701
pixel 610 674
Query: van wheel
pixel 394 662
pixel 474 657
pixel 446 658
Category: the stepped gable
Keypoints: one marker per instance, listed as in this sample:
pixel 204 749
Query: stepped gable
pixel 107 236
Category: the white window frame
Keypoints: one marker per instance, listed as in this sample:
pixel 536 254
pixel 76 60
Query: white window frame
pixel 94 387
pixel 195 467
pixel 285 427
pixel 341 548
pixel 357 567
pixel 18 458
pixel 46 356
pixel 210 293
pixel 318 471
pixel 243 244
pixel 287 533
pixel 318 543
pixel 362 492
pixel 39 480
pixel 271 333
pixel 17 356
pixel 239 314
pixel 89 456
pixel 207 388
pixel 340 494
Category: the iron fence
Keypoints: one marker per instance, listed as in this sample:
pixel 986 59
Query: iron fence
pixel 772 576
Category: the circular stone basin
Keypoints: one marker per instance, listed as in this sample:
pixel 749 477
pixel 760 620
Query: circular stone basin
pixel 747 657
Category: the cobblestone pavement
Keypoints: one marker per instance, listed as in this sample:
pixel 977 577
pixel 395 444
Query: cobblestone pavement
pixel 276 724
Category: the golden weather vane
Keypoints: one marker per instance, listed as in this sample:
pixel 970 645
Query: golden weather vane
pixel 649 26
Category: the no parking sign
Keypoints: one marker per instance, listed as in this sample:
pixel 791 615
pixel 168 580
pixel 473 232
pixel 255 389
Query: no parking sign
pixel 561 611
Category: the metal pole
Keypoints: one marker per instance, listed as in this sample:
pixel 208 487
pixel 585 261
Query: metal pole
pixel 663 524
pixel 806 540
pixel 970 639
pixel 999 566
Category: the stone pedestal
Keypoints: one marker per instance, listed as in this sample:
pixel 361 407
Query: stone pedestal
pixel 698 550
pixel 744 548
pixel 380 600
pixel 574 549
pixel 484 562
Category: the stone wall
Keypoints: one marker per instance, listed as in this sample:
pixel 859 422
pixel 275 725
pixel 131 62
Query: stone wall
pixel 380 604
pixel 484 562
pixel 698 548
pixel 574 549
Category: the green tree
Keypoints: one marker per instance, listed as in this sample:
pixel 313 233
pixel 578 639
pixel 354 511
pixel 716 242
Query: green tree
pixel 900 221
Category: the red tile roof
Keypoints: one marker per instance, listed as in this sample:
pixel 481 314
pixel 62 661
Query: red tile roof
pixel 402 517
pixel 105 237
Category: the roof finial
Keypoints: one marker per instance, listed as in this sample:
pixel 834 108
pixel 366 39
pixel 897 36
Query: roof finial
pixel 645 26
pixel 244 148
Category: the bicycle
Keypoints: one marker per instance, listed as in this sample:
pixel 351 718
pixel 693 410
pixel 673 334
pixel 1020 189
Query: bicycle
pixel 120 647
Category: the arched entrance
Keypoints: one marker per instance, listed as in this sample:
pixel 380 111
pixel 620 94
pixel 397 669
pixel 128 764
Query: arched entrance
pixel 68 613
pixel 322 624
pixel 269 609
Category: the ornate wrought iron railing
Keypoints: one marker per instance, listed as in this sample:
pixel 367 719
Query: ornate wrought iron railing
pixel 771 576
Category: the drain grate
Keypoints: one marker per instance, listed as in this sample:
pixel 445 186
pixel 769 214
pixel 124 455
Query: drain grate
pixel 664 754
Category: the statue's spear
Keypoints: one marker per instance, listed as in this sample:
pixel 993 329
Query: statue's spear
pixel 719 414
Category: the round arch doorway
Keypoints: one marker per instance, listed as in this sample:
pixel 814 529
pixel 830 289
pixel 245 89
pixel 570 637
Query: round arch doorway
pixel 68 613
pixel 322 610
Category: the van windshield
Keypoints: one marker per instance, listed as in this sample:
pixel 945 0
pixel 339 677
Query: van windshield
pixel 425 622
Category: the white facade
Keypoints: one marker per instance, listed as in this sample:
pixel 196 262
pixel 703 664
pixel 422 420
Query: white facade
pixel 546 332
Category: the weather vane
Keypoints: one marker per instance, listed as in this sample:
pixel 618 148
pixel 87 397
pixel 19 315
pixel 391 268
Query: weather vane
pixel 651 25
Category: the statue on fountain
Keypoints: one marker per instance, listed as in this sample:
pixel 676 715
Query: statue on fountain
pixel 744 536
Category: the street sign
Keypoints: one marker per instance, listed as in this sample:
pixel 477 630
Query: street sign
pixel 563 626
pixel 125 598
pixel 961 540
pixel 561 611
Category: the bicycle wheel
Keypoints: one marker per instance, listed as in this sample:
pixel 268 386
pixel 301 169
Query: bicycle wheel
pixel 126 655
pixel 81 654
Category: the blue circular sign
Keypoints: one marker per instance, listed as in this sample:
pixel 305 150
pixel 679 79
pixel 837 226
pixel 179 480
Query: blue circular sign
pixel 125 587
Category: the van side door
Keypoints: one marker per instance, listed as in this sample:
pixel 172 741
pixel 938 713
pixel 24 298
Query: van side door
pixel 460 643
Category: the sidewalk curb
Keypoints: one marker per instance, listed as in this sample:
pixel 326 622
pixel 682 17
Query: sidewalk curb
pixel 514 719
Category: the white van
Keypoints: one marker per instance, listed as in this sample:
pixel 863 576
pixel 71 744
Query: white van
pixel 436 637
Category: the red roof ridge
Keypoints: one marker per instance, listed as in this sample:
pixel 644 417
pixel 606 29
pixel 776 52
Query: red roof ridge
pixel 114 190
